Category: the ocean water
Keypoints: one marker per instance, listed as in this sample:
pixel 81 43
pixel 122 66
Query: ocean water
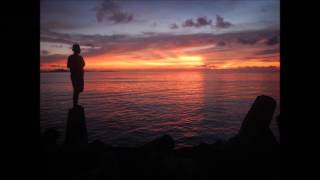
pixel 131 108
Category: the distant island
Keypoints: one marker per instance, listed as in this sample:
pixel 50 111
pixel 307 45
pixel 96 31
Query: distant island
pixel 66 70
pixel 54 70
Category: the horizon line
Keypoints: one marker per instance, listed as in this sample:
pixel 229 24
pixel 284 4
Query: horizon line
pixel 243 69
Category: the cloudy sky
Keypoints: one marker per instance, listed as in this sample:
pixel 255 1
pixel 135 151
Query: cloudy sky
pixel 150 34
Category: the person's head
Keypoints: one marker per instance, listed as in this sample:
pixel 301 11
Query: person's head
pixel 76 48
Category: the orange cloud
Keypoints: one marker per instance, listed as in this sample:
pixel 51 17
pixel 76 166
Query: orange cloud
pixel 128 62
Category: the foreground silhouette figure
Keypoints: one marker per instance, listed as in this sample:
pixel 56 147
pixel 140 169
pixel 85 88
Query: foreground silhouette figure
pixel 76 64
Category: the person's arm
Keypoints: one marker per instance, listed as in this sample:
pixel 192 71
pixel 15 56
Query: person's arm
pixel 68 63
pixel 83 63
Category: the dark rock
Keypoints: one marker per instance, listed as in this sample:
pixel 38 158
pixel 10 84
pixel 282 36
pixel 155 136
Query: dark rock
pixel 255 146
pixel 163 143
pixel 158 159
pixel 96 145
pixel 96 148
pixel 259 116
pixel 255 127
pixel 50 136
pixel 280 128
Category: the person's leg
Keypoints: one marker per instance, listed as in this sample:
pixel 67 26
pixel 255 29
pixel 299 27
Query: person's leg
pixel 75 97
pixel 77 83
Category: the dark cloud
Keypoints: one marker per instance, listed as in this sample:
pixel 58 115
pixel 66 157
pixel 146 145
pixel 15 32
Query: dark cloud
pixel 58 25
pixel 251 41
pixel 123 44
pixel 154 24
pixel 272 41
pixel 188 23
pixel 199 22
pixel 263 38
pixel 174 26
pixel 89 45
pixel 57 45
pixel 270 58
pixel 95 40
pixel 268 52
pixel 106 8
pixel 203 21
pixel 55 40
pixel 110 11
pixel 221 44
pixel 53 58
pixel 120 17
pixel 149 33
pixel 209 66
pixel 44 52
pixel 221 23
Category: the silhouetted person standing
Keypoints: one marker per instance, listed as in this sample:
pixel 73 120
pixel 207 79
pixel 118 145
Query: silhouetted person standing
pixel 76 64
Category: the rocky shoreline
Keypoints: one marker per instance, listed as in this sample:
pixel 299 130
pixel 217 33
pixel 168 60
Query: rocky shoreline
pixel 253 153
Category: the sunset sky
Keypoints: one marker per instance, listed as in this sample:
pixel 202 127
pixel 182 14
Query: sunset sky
pixel 150 34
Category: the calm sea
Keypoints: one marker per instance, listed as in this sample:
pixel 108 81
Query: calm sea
pixel 130 108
